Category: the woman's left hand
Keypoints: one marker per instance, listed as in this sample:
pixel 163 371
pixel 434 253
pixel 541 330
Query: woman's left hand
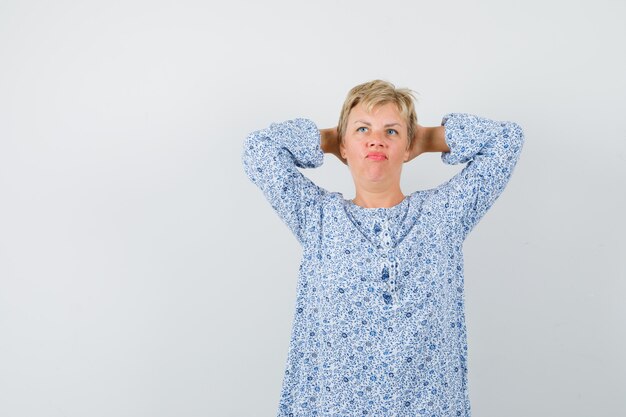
pixel 428 139
pixel 419 143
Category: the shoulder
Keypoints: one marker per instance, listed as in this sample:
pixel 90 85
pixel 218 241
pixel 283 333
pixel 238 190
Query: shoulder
pixel 330 202
pixel 333 199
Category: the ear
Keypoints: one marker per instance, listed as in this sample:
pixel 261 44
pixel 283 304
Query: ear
pixel 342 151
pixel 407 153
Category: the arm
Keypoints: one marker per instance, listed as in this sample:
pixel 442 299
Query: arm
pixel 491 150
pixel 271 157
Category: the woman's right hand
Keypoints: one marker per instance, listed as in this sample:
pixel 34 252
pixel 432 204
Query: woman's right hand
pixel 330 143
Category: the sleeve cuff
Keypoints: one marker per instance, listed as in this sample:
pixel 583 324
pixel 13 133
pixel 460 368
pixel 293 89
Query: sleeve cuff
pixel 301 138
pixel 465 134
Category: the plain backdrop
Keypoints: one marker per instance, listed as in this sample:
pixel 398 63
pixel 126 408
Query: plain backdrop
pixel 143 274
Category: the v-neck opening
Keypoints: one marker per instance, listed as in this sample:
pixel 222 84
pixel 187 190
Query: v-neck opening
pixel 382 214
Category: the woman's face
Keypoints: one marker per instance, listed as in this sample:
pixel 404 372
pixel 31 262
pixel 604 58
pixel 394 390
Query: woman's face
pixel 375 144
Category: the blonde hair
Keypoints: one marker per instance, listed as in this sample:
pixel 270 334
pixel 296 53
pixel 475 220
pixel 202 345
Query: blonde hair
pixel 375 93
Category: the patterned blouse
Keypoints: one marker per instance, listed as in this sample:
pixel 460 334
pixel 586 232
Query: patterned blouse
pixel 379 322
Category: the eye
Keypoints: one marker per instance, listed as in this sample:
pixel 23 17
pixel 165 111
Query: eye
pixel 361 129
pixel 392 132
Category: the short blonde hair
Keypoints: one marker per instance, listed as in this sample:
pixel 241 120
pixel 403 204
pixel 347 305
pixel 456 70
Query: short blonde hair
pixel 375 93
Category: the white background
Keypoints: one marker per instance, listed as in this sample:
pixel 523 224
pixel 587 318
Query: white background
pixel 141 272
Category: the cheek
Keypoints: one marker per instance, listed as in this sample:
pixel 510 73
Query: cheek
pixel 350 149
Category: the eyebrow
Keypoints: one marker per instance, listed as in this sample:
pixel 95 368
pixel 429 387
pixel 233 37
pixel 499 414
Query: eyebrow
pixel 369 124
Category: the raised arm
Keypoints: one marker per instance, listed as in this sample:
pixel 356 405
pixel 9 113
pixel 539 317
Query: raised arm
pixel 491 150
pixel 271 157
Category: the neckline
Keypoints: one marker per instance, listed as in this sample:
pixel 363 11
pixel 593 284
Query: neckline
pixel 352 204
pixel 361 217
pixel 395 213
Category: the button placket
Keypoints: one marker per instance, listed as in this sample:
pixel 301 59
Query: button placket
pixel 382 227
pixel 389 273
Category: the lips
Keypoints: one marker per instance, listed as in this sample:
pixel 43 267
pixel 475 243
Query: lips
pixel 376 156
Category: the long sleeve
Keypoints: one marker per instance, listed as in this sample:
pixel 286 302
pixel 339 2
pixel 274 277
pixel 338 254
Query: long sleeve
pixel 271 157
pixel 491 150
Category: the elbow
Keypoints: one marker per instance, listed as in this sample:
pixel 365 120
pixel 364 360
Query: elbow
pixel 252 145
pixel 517 133
pixel 249 154
pixel 514 134
pixel 250 141
pixel 245 151
pixel 516 139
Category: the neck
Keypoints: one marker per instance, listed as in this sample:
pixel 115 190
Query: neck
pixel 378 199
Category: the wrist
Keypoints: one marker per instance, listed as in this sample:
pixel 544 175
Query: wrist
pixel 435 140
pixel 328 140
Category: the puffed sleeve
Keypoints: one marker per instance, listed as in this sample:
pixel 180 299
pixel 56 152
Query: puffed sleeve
pixel 271 157
pixel 491 150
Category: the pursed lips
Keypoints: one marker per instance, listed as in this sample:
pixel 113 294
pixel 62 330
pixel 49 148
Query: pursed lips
pixel 376 156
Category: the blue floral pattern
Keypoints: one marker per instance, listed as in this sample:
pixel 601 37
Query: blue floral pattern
pixel 379 322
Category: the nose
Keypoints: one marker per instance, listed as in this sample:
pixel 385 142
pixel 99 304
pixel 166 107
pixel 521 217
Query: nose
pixel 375 139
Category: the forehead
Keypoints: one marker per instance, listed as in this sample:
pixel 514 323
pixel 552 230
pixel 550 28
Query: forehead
pixel 387 112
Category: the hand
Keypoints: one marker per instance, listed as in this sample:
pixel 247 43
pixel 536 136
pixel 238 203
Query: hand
pixel 419 144
pixel 330 143
pixel 428 139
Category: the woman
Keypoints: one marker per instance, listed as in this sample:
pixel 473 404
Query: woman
pixel 379 325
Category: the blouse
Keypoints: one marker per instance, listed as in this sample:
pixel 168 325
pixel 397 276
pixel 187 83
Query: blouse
pixel 379 319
